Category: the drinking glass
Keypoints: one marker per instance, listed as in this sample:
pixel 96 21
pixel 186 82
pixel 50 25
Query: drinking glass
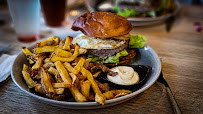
pixel 54 12
pixel 26 19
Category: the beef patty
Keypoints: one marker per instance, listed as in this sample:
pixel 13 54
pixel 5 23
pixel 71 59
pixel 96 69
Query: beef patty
pixel 107 52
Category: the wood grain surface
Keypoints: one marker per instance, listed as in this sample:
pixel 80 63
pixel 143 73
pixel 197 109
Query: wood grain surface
pixel 181 51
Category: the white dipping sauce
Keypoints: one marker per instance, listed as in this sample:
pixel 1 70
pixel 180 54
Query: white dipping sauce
pixel 126 76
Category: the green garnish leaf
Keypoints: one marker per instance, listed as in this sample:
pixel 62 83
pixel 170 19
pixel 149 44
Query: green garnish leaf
pixel 94 59
pixel 115 58
pixel 137 41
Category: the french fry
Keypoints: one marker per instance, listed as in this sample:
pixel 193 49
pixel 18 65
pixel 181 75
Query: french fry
pixel 62 85
pixel 74 77
pixel 48 65
pixel 27 68
pixel 109 95
pixel 77 95
pixel 85 88
pixel 38 88
pixel 63 72
pixel 46 83
pixel 88 60
pixel 81 51
pixel 28 79
pixel 44 42
pixel 67 43
pixel 59 90
pixel 68 67
pixel 38 64
pixel 63 53
pixel 47 60
pixel 115 92
pixel 98 94
pixel 77 67
pixel 26 51
pixel 62 59
pixel 121 94
pixel 66 78
pixel 83 71
pixel 96 74
pixel 58 78
pixel 53 71
pixel 45 49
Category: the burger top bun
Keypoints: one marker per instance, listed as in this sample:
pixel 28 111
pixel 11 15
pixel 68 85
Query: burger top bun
pixel 102 24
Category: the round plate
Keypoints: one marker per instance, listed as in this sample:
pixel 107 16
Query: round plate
pixel 144 21
pixel 146 56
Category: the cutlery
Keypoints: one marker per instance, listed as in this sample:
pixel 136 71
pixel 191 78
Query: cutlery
pixel 175 105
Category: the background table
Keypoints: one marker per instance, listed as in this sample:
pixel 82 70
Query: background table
pixel 181 51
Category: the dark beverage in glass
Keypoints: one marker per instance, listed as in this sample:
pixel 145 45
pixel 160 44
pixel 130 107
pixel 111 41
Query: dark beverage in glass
pixel 54 12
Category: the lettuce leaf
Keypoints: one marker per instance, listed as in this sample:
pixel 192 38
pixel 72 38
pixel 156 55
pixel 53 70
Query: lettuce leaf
pixel 94 58
pixel 137 41
pixel 115 58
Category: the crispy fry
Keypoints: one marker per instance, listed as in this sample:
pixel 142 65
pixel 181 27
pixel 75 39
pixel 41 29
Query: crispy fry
pixel 62 85
pixel 46 83
pixel 77 95
pixel 68 67
pixel 53 71
pixel 48 65
pixel 83 71
pixel 67 43
pixel 47 60
pixel 38 88
pixel 121 94
pixel 26 51
pixel 98 94
pixel 59 90
pixel 77 67
pixel 88 60
pixel 28 79
pixel 27 68
pixel 45 49
pixel 55 58
pixel 46 42
pixel 115 92
pixel 96 74
pixel 58 78
pixel 63 72
pixel 109 95
pixel 74 77
pixel 63 53
pixel 85 88
pixel 38 64
pixel 81 51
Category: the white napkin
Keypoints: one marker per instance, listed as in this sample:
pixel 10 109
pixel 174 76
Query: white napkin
pixel 6 62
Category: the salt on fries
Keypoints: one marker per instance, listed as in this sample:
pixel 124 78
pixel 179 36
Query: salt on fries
pixel 57 67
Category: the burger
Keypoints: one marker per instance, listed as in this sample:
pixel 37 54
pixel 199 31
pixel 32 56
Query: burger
pixel 106 38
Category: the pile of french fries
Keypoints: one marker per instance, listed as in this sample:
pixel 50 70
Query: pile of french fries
pixel 57 69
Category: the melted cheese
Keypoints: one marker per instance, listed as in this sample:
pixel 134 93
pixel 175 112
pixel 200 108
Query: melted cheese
pixel 96 43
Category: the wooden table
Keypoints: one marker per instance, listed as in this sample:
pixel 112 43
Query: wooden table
pixel 181 51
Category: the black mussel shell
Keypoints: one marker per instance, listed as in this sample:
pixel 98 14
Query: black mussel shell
pixel 143 72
